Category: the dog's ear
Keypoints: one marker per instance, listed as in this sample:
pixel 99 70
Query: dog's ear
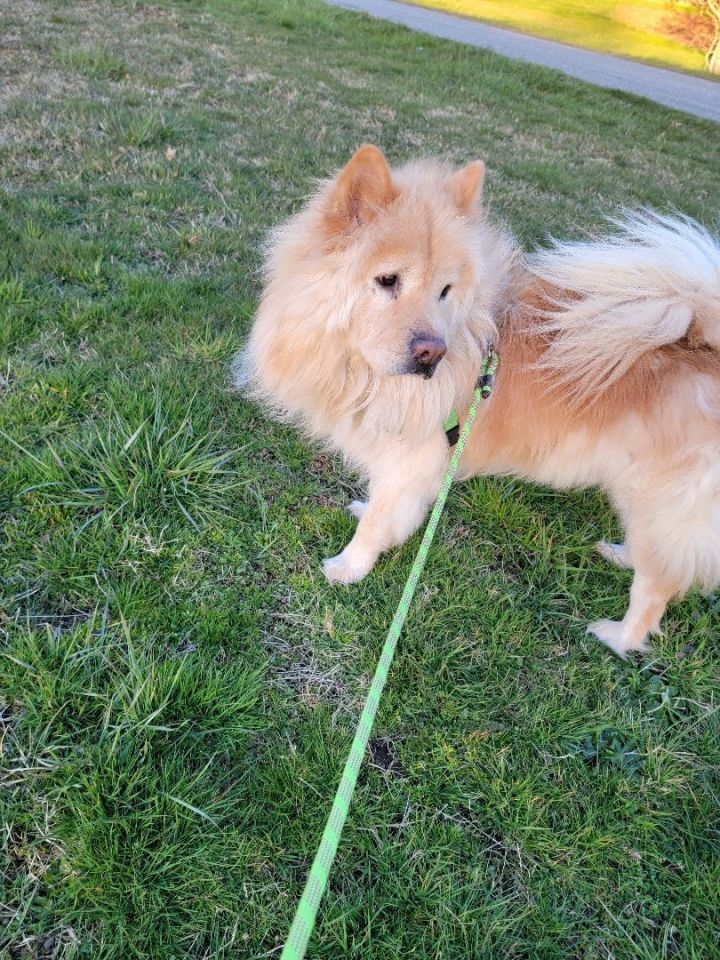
pixel 361 190
pixel 466 186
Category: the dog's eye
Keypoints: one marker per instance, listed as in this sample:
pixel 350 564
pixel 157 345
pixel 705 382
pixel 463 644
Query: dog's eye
pixel 445 291
pixel 387 280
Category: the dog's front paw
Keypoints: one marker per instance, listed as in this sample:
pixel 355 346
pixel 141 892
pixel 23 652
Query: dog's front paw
pixel 615 635
pixel 342 569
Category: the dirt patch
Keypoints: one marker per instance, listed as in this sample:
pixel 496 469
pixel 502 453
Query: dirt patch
pixel 383 756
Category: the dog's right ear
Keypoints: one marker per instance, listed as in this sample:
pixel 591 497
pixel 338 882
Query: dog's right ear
pixel 361 190
pixel 466 186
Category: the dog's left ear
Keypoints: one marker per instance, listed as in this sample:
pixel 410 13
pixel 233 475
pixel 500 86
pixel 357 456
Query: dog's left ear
pixel 466 186
pixel 362 189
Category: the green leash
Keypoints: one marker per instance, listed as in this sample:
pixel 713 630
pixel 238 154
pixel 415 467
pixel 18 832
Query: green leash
pixel 304 920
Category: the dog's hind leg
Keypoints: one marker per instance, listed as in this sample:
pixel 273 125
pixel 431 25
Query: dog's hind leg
pixel 670 508
pixel 649 596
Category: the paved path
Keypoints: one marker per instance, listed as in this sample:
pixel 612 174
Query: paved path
pixel 679 90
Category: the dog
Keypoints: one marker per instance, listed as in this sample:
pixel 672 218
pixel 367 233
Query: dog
pixel 381 298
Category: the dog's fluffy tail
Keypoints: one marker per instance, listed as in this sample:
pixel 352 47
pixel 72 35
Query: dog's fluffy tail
pixel 623 296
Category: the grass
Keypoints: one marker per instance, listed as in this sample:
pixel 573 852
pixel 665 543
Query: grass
pixel 178 684
pixel 652 31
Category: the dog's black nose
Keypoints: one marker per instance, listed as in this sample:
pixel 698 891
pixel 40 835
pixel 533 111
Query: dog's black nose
pixel 427 351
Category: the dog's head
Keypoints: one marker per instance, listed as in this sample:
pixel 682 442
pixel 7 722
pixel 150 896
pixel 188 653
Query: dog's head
pixel 406 248
pixel 384 280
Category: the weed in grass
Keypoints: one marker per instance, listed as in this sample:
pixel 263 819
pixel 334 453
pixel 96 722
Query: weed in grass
pixel 126 469
pixel 101 63
pixel 606 746
pixel 143 129
pixel 12 292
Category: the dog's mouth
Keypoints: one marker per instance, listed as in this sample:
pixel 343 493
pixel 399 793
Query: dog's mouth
pixel 424 370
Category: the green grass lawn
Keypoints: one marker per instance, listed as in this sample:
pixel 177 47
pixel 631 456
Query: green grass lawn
pixel 638 29
pixel 178 683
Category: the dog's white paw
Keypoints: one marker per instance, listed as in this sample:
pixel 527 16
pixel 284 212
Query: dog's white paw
pixel 341 569
pixel 616 553
pixel 614 635
pixel 357 508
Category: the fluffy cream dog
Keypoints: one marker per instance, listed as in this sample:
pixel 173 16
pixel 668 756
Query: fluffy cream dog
pixel 381 297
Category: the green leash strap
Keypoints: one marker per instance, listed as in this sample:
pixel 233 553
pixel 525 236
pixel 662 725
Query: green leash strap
pixel 304 920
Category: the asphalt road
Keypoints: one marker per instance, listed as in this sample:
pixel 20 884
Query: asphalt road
pixel 679 90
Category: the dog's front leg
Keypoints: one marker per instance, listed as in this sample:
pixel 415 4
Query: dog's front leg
pixel 402 488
